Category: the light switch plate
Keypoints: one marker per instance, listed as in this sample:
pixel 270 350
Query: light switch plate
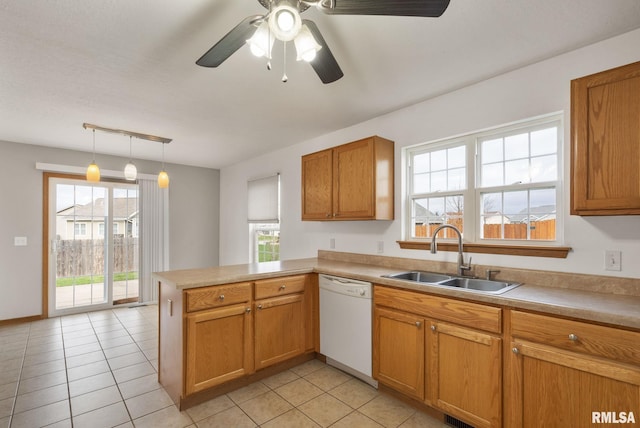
pixel 20 241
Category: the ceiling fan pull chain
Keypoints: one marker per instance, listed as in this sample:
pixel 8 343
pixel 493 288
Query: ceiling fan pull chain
pixel 284 74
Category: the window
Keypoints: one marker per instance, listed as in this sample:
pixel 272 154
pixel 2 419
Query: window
pixel 266 239
pixel 79 229
pixel 264 218
pixel 496 185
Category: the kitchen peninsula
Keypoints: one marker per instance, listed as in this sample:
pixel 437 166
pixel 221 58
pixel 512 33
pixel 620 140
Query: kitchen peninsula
pixel 223 327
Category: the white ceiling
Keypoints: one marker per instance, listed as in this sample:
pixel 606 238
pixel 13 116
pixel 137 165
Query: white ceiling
pixel 131 65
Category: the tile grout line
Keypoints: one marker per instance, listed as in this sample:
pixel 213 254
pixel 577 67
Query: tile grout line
pixel 15 396
pixel 66 371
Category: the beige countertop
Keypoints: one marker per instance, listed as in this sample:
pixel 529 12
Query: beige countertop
pixel 609 308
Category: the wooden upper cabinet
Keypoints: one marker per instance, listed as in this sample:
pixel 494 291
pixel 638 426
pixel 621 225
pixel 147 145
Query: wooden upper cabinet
pixel 605 142
pixel 317 184
pixel 353 181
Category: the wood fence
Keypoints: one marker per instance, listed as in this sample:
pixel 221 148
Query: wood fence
pixel 426 230
pixel 540 230
pixel 79 257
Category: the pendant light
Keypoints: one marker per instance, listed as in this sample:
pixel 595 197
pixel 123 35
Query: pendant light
pixel 93 172
pixel 130 170
pixel 163 177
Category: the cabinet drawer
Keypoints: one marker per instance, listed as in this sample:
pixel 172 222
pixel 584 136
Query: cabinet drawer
pixel 216 296
pixel 280 286
pixel 469 314
pixel 608 342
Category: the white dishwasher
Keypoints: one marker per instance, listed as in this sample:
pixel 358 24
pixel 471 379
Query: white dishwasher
pixel 345 325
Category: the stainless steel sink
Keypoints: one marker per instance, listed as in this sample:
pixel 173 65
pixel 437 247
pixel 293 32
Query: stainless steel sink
pixel 471 284
pixel 486 286
pixel 419 276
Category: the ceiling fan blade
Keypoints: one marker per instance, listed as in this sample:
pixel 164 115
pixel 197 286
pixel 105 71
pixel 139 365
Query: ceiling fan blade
pixel 230 43
pixel 324 64
pixel 426 8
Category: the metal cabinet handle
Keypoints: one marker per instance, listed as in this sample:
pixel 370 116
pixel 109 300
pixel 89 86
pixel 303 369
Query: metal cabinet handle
pixel 515 350
pixel 247 310
pixel 573 337
pixel 282 287
pixel 418 324
pixel 170 303
pixel 221 297
pixel 259 306
pixel 433 327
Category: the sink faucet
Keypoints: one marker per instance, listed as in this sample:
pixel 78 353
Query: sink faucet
pixel 434 248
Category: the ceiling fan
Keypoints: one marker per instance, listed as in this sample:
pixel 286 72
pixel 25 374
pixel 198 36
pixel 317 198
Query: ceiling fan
pixel 282 22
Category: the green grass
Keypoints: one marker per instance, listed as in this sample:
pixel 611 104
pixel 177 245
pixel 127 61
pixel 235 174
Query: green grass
pixel 96 279
pixel 266 252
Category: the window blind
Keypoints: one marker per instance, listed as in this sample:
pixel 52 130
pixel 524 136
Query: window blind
pixel 264 200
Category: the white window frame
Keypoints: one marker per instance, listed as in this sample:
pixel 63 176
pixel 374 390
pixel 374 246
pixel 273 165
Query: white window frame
pixel 472 194
pixel 263 210
pixel 255 229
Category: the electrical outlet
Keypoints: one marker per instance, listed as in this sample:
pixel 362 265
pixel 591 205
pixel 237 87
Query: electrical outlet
pixel 332 243
pixel 380 247
pixel 20 241
pixel 612 260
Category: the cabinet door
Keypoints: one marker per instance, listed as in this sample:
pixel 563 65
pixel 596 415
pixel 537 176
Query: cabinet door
pixel 279 329
pixel 354 180
pixel 605 142
pixel 557 388
pixel 317 186
pixel 398 351
pixel 464 376
pixel 218 346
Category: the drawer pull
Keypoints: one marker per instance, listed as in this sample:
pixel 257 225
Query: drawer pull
pixel 247 310
pixel 282 287
pixel 418 324
pixel 433 327
pixel 259 306
pixel 515 350
pixel 573 337
pixel 221 297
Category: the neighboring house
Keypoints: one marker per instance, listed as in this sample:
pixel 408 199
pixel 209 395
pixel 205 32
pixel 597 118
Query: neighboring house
pixel 88 221
pixel 541 213
pixel 495 218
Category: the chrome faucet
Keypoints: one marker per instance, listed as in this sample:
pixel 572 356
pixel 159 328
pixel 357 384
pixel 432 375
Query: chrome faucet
pixel 434 248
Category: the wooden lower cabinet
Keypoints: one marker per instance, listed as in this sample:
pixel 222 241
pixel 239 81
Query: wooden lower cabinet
pixel 219 346
pixel 465 373
pixel 279 329
pixel 556 388
pixel 450 365
pixel 399 350
pixel 562 371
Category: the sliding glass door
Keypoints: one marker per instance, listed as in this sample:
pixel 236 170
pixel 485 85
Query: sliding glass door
pixel 93 245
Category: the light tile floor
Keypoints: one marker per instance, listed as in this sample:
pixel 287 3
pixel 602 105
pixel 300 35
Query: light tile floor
pixel 99 369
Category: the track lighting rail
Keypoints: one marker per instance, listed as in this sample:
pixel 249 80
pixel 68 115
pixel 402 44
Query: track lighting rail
pixel 129 133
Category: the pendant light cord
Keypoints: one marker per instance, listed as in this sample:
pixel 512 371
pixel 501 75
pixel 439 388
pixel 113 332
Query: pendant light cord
pixel 94 146
pixel 163 156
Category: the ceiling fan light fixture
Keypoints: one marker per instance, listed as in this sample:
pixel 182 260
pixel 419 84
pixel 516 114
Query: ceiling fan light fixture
pixel 306 45
pixel 285 22
pixel 262 40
